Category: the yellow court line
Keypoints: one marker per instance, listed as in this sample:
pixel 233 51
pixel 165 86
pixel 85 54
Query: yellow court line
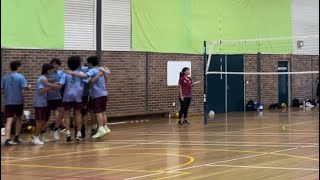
pixel 191 160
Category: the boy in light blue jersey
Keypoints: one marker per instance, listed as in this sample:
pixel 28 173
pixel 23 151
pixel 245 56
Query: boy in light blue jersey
pixel 55 97
pixel 84 110
pixel 98 93
pixel 74 89
pixel 13 87
pixel 40 101
pixel 86 99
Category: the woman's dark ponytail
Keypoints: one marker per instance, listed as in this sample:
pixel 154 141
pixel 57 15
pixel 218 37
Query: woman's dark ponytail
pixel 181 74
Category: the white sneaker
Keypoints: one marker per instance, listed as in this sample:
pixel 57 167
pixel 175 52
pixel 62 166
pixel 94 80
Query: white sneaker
pixel 107 129
pixel 79 136
pixel 43 138
pixel 56 135
pixel 37 141
pixel 101 132
pixel 9 142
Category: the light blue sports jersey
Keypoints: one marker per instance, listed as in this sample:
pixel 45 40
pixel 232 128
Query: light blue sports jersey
pixel 85 69
pixel 40 99
pixel 12 85
pixel 74 87
pixel 55 94
pixel 98 88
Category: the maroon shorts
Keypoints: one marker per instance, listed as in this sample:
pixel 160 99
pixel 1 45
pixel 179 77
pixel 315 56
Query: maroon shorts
pixel 41 113
pixel 54 104
pixel 13 110
pixel 69 105
pixel 99 105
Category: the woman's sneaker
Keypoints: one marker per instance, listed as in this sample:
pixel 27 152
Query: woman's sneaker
pixel 8 142
pixel 36 141
pixel 185 122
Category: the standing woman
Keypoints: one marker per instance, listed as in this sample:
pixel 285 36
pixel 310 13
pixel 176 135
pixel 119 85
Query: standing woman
pixel 185 83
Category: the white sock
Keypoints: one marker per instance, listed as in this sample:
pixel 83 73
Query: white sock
pixel 101 128
pixel 79 133
pixel 68 132
pixel 94 126
pixel 105 126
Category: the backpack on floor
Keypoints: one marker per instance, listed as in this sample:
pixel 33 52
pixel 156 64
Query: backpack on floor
pixel 296 102
pixel 250 106
pixel 274 106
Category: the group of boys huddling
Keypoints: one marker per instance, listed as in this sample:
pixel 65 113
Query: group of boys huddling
pixel 81 88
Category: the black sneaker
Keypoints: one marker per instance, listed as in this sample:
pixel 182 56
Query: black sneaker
pixel 75 132
pixel 83 132
pixel 93 132
pixel 9 143
pixel 185 122
pixel 17 140
pixel 179 122
pixel 68 136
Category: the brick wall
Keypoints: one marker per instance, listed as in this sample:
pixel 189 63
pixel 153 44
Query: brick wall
pixel 127 84
pixel 250 80
pixel 302 86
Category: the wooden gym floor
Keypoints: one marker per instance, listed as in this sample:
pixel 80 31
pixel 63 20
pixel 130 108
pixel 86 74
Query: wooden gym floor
pixel 277 144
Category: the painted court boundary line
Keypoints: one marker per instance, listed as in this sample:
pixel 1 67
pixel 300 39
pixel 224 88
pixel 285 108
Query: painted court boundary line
pixel 264 167
pixel 209 164
pixel 77 152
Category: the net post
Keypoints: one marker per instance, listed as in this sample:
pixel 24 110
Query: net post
pixel 259 77
pixel 205 83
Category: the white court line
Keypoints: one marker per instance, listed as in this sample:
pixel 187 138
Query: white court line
pixel 218 162
pixel 203 133
pixel 264 127
pixel 220 135
pixel 77 152
pixel 235 159
pixel 200 144
pixel 265 167
pixel 244 130
pixel 225 142
pixel 63 154
pixel 117 123
pixel 9 157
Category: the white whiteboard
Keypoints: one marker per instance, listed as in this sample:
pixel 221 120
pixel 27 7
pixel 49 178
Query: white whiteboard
pixel 173 70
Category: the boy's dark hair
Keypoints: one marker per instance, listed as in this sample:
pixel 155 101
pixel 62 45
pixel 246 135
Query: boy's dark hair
pixel 55 61
pixel 14 65
pixel 46 68
pixel 93 60
pixel 74 62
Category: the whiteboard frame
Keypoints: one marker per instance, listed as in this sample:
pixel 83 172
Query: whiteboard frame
pixel 173 69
